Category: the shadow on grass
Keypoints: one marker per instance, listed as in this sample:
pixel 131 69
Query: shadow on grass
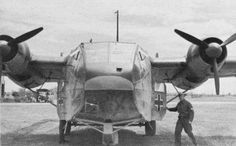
pixel 90 137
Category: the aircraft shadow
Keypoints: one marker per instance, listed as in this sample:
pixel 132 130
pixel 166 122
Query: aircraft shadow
pixel 90 137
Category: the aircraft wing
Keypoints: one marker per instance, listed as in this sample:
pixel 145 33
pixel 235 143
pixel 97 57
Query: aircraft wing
pixel 188 74
pixel 30 72
pixel 49 68
pixel 164 69
pixel 25 69
pixel 171 67
pixel 229 68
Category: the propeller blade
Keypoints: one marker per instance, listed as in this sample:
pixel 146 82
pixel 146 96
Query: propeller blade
pixel 229 40
pixel 191 38
pixel 216 77
pixel 0 75
pixel 25 36
pixel 6 38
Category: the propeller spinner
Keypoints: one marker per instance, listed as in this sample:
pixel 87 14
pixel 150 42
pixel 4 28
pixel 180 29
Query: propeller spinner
pixel 212 50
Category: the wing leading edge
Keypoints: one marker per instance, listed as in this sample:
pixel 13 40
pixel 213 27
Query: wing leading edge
pixel 167 70
pixel 164 70
pixel 229 68
pixel 49 68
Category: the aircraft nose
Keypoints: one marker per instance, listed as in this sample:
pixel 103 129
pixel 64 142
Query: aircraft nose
pixel 108 83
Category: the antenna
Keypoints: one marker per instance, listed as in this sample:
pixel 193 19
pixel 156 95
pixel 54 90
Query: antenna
pixel 117 25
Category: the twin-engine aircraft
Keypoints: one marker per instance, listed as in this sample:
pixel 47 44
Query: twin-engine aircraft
pixel 111 85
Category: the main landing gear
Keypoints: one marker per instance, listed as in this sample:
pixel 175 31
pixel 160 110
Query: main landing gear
pixel 64 129
pixel 150 128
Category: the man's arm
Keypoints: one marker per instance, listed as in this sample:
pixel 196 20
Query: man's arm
pixel 173 109
pixel 191 113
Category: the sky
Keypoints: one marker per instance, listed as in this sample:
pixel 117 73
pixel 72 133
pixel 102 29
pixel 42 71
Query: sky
pixel 147 23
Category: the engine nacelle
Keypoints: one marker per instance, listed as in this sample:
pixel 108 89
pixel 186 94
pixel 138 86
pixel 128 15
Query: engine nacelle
pixel 19 63
pixel 17 68
pixel 199 65
pixel 198 55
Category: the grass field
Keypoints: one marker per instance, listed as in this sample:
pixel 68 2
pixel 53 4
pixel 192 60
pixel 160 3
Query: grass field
pixel 37 124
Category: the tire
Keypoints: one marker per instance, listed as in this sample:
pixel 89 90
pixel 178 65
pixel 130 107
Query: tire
pixel 150 128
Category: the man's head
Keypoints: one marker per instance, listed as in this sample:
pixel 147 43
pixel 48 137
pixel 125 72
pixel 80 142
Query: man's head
pixel 181 96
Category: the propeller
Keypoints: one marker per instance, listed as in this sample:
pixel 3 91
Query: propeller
pixel 25 36
pixel 9 50
pixel 216 77
pixel 212 50
pixel 191 38
pixel 229 40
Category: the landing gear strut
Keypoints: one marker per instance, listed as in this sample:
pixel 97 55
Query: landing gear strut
pixel 68 128
pixel 62 124
pixel 64 129
pixel 150 128
pixel 175 89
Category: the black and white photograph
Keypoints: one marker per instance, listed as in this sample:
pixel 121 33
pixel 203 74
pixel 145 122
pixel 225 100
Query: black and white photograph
pixel 117 73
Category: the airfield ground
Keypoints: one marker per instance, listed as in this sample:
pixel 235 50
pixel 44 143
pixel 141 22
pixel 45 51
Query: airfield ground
pixel 36 124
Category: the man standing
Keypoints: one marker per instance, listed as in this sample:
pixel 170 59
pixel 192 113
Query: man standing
pixel 186 114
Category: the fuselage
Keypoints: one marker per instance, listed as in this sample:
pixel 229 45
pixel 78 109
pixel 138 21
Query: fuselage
pixel 115 82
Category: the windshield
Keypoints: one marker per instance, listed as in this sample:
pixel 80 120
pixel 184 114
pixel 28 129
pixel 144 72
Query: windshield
pixel 109 52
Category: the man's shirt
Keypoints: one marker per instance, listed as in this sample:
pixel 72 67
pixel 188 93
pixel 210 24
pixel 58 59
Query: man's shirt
pixel 185 110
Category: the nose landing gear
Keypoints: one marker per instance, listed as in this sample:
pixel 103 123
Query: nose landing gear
pixel 109 137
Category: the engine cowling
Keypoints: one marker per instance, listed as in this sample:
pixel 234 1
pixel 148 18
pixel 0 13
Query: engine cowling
pixel 15 56
pixel 17 68
pixel 204 57
pixel 19 63
pixel 199 65
pixel 198 61
pixel 200 55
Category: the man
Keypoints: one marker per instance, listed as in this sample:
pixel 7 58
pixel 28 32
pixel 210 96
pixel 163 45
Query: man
pixel 186 114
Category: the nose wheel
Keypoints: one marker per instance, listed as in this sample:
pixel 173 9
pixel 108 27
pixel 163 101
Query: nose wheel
pixel 109 137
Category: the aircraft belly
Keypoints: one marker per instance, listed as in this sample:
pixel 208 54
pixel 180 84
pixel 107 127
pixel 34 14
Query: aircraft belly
pixel 108 105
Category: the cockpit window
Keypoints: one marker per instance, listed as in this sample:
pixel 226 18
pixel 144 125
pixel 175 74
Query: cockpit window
pixel 121 53
pixel 142 56
pixel 77 55
pixel 109 52
pixel 96 52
